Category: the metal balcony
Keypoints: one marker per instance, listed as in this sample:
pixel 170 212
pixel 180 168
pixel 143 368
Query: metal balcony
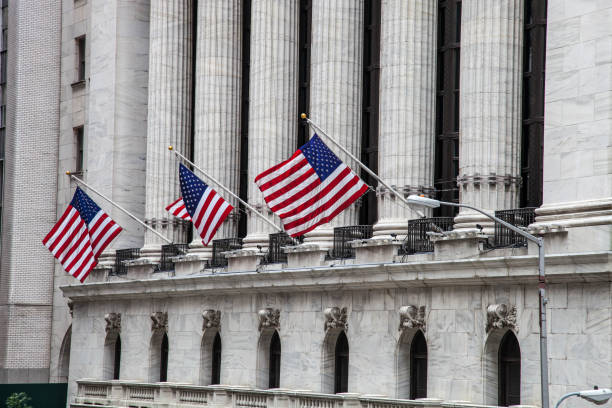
pixel 275 247
pixel 125 255
pixel 223 245
pixel 521 217
pixel 417 240
pixel 169 251
pixel 342 237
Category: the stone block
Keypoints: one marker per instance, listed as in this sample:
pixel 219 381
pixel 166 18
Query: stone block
pixel 379 250
pixel 306 255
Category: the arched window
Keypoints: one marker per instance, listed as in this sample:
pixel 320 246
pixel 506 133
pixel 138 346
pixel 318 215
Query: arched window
pixel 275 358
pixel 112 355
pixel 65 356
pixel 341 364
pixel 418 366
pixel 509 371
pixel 163 363
pixel 215 377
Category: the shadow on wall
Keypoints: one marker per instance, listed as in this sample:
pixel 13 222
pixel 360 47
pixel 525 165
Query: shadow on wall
pixel 43 395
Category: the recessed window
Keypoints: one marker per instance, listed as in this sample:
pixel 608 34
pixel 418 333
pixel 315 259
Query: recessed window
pixel 275 358
pixel 509 371
pixel 215 377
pixel 418 366
pixel 341 364
pixel 80 53
pixel 79 147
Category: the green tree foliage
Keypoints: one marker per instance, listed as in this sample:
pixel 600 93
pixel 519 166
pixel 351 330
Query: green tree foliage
pixel 18 400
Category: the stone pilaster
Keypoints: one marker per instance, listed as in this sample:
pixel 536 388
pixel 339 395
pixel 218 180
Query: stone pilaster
pixel 217 104
pixel 169 118
pixel 336 88
pixel 273 115
pixel 407 108
pixel 490 115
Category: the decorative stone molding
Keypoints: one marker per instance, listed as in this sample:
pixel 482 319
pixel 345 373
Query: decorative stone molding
pixel 500 316
pixel 113 322
pixel 412 317
pixel 492 178
pixel 211 318
pixel 159 321
pixel 336 318
pixel 70 307
pixel 269 318
pixel 405 190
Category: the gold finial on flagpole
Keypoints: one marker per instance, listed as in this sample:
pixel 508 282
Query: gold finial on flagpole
pixel 170 147
pixel 303 116
pixel 67 172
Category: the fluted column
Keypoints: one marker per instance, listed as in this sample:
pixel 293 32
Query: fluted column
pixel 407 108
pixel 490 114
pixel 169 118
pixel 273 90
pixel 217 103
pixel 336 73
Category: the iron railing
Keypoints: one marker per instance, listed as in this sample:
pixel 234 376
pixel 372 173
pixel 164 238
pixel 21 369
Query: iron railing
pixel 223 245
pixel 416 238
pixel 125 255
pixel 168 252
pixel 342 237
pixel 275 247
pixel 520 217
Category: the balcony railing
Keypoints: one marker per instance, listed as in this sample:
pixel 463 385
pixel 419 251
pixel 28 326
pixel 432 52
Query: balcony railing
pixel 416 238
pixel 344 235
pixel 119 393
pixel 521 217
pixel 168 252
pixel 122 255
pixel 275 247
pixel 223 245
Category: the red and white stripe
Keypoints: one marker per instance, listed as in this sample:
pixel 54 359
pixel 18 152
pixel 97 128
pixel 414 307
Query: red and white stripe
pixel 70 243
pixel 210 213
pixel 178 209
pixel 295 193
pixel 102 230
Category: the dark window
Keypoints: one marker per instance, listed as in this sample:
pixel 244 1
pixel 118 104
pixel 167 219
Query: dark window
pixel 304 68
pixel 418 366
pixel 369 126
pixel 117 363
pixel 78 140
pixel 163 362
pixel 447 105
pixel 244 117
pixel 341 364
pixel 275 358
pixel 509 371
pixel 532 135
pixel 80 46
pixel 215 377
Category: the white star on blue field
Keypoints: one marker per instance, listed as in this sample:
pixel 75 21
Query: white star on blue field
pixel 323 160
pixel 192 189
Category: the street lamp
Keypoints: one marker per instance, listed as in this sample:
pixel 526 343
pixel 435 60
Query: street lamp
pixel 595 396
pixel 431 203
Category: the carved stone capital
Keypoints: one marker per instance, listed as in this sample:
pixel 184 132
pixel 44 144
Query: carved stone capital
pixel 113 322
pixel 211 318
pixel 159 321
pixel 500 316
pixel 412 317
pixel 269 318
pixel 336 318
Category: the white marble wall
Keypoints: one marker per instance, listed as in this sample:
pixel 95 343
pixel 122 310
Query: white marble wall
pixel 272 100
pixel 579 342
pixel 407 108
pixel 217 104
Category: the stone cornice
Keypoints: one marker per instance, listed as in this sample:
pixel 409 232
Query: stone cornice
pixel 518 269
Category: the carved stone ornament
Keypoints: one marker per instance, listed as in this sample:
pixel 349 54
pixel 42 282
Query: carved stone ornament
pixel 500 316
pixel 269 318
pixel 159 321
pixel 335 318
pixel 70 307
pixel 113 322
pixel 211 318
pixel 412 317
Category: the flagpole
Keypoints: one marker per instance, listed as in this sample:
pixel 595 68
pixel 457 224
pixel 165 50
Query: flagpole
pixel 78 180
pixel 363 166
pixel 247 205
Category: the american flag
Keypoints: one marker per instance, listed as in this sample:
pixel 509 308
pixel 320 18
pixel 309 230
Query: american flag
pixel 80 235
pixel 310 188
pixel 178 209
pixel 206 208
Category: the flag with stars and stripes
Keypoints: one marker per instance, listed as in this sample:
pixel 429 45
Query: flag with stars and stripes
pixel 310 188
pixel 80 235
pixel 204 205
pixel 178 209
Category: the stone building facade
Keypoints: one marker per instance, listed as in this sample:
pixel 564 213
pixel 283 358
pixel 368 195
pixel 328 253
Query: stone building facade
pixel 502 105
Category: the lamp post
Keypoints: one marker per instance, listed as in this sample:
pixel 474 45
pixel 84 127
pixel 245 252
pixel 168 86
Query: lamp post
pixel 431 203
pixel 595 396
